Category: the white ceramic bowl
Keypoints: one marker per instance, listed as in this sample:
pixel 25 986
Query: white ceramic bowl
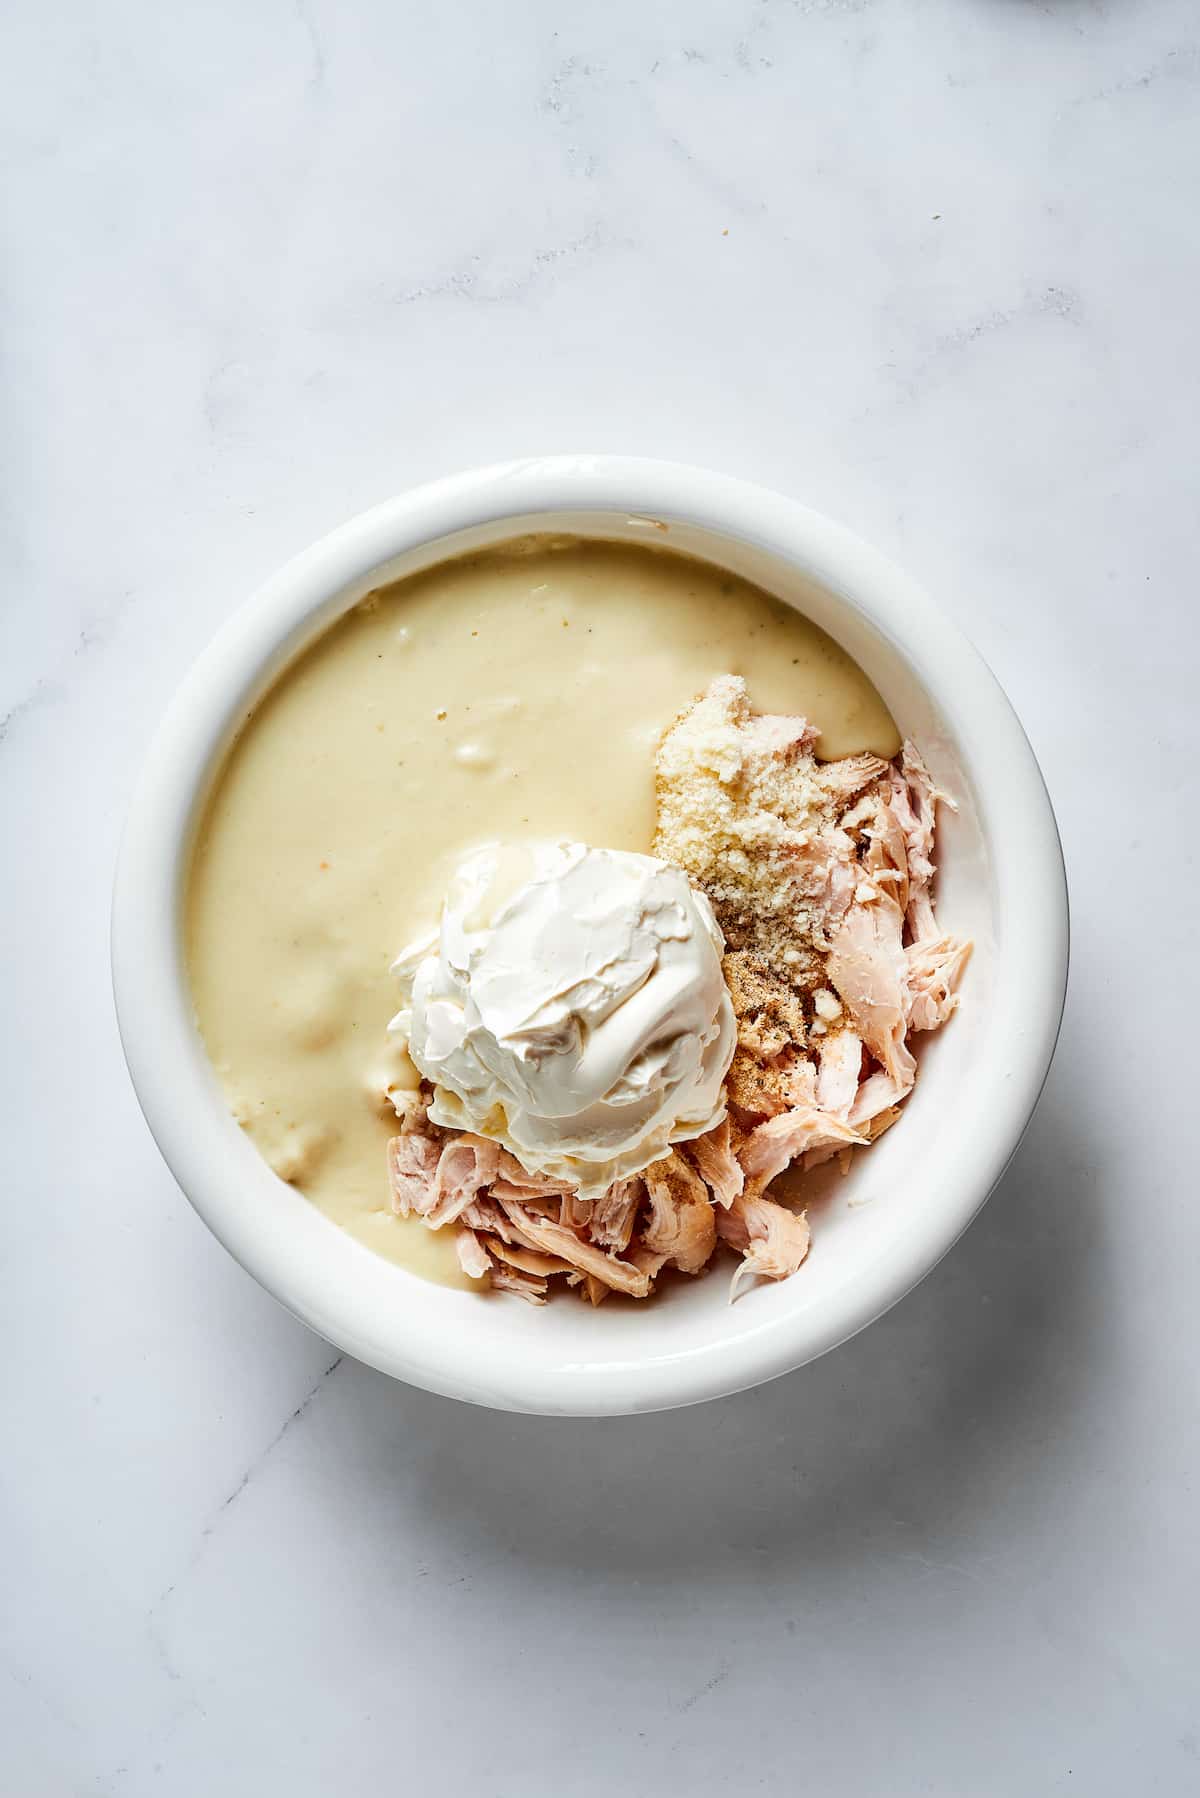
pixel 1002 882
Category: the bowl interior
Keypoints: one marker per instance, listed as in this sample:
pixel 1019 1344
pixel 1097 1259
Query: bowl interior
pixel 880 1227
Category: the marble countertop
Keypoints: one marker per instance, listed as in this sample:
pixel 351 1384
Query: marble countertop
pixel 931 265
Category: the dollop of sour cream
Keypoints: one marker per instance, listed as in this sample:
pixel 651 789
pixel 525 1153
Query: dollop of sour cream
pixel 570 1006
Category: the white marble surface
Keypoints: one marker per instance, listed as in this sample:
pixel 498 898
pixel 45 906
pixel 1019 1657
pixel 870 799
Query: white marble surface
pixel 932 265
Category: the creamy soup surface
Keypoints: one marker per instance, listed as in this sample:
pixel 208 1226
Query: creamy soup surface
pixel 514 694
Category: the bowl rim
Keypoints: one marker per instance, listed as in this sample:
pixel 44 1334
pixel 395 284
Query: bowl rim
pixel 161 1044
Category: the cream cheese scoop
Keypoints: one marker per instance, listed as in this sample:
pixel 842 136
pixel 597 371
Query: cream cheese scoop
pixel 571 1006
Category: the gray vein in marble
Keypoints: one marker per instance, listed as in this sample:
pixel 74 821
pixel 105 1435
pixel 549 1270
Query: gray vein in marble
pixel 50 1700
pixel 262 1458
pixel 560 98
pixel 557 95
pixel 708 180
pixel 937 1568
pixel 256 1466
pixel 729 59
pixel 155 1630
pixel 475 280
pixel 913 378
pixel 724 1669
pixel 1060 302
pixel 47 690
pixel 770 10
pixel 807 8
pixel 43 693
pixel 305 18
pixel 1179 64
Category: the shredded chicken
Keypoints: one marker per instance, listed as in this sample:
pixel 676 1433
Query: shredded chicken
pixel 868 968
pixel 772 1239
pixel 820 875
pixel 465 1165
pixel 680 1224
pixel 578 1251
pixel 472 1256
pixel 529 1261
pixel 718 1166
pixel 510 1279
pixel 412 1168
pixel 614 1215
pixel 839 1063
pixel 774 1145
pixel 931 983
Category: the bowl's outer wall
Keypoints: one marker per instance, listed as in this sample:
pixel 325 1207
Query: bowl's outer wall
pixel 1002 882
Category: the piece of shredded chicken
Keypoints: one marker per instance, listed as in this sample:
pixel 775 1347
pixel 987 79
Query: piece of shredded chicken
pixel 820 875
